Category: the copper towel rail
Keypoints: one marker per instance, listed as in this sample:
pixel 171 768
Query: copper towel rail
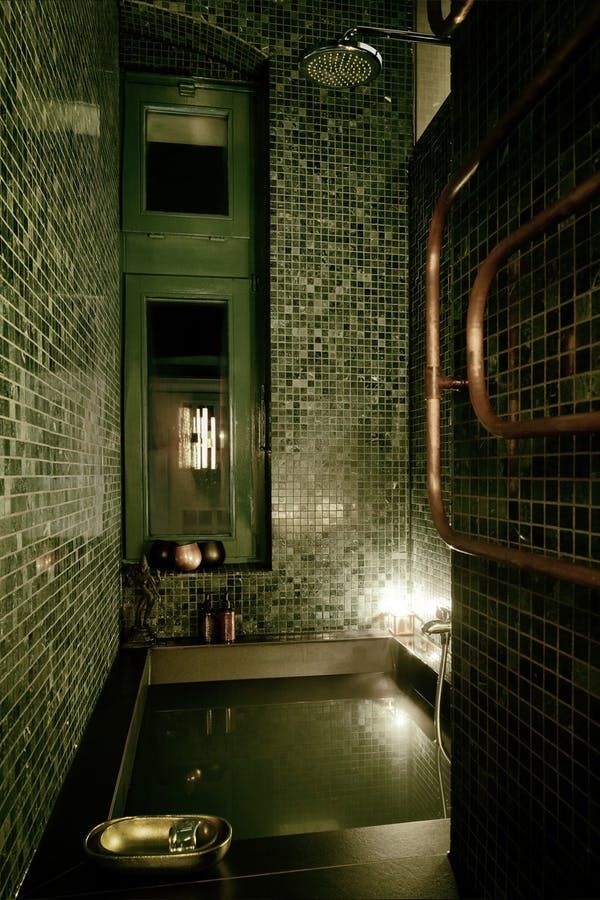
pixel 435 382
pixel 445 26
pixel 551 425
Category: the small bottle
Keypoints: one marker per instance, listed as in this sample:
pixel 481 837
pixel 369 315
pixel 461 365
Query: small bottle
pixel 227 621
pixel 207 622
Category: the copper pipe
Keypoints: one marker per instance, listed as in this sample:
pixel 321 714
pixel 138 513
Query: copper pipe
pixel 445 26
pixel 524 559
pixel 571 424
pixel 453 384
pixel 539 85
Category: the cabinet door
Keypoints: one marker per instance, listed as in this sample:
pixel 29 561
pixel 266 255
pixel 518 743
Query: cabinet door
pixel 192 457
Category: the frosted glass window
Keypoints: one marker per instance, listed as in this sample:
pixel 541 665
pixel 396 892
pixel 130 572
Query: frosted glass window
pixel 188 418
pixel 187 163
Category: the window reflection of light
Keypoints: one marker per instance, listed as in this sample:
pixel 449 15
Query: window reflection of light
pixel 197 438
pixel 185 438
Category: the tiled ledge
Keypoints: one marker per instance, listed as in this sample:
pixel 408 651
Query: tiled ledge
pixel 220 662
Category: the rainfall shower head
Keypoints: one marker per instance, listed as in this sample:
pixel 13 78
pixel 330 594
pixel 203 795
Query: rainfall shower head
pixel 341 64
pixel 348 62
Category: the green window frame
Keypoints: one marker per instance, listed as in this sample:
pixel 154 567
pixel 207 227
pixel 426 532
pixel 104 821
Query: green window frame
pixel 144 94
pixel 243 542
pixel 195 258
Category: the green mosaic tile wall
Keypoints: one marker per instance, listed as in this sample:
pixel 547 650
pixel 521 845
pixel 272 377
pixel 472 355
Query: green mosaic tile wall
pixel 525 647
pixel 338 325
pixel 59 397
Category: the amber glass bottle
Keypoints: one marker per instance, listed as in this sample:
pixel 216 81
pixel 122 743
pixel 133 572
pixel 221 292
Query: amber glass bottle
pixel 207 621
pixel 226 619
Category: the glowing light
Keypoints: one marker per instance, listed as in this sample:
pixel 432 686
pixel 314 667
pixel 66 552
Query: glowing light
pixel 393 601
pixel 400 718
pixel 424 604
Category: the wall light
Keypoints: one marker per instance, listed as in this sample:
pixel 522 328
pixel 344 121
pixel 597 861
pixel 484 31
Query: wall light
pixel 394 604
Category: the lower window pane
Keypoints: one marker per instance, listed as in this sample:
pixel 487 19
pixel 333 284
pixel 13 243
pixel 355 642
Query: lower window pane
pixel 188 419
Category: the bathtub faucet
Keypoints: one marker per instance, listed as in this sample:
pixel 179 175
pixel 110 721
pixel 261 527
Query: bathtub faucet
pixel 442 624
pixel 436 626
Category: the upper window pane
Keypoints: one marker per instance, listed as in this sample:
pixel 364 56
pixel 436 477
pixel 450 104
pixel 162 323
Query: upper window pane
pixel 187 163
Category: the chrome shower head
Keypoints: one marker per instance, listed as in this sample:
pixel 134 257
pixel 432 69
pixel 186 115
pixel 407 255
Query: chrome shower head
pixel 348 62
pixel 341 64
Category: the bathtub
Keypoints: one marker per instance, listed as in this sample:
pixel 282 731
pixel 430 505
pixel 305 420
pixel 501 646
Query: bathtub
pixel 97 786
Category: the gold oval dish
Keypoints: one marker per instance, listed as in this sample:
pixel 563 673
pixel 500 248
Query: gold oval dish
pixel 175 843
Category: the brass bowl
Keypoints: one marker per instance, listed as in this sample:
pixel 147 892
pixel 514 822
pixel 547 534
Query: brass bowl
pixel 146 842
pixel 186 557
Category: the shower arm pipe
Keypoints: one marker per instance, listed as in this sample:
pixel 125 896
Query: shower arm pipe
pixel 480 400
pixel 435 382
pixel 410 36
pixel 459 9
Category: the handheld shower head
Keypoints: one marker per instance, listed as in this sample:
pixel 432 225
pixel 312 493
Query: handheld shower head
pixel 342 64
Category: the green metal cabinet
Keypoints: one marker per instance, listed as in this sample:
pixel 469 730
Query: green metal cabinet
pixel 188 252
